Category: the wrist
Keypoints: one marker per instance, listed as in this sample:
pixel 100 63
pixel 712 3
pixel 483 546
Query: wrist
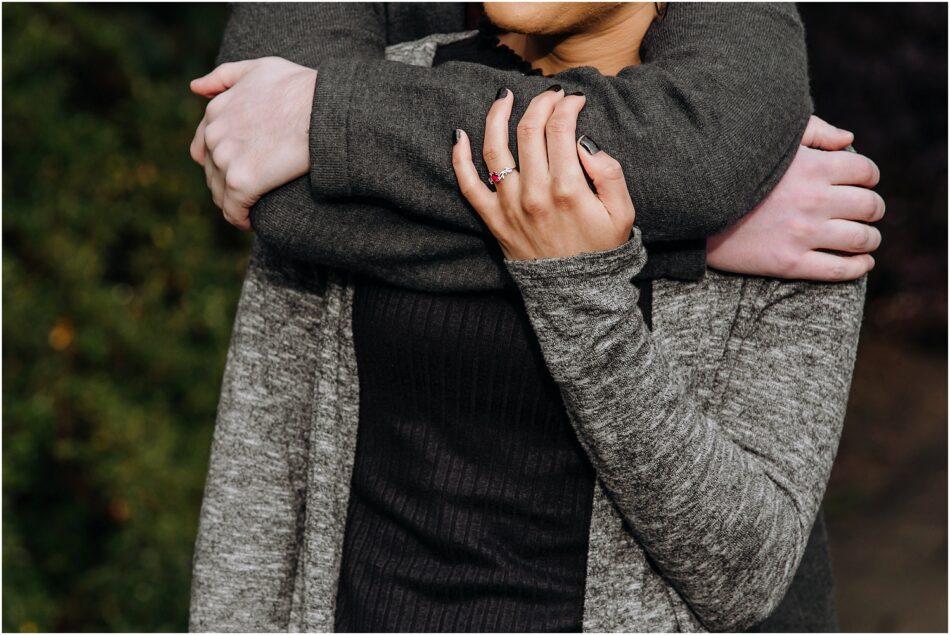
pixel 628 258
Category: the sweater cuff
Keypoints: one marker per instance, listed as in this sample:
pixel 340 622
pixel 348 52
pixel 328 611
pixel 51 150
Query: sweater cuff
pixel 329 134
pixel 627 259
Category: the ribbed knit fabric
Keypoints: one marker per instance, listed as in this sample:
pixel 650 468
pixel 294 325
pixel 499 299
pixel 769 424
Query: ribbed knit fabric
pixel 471 497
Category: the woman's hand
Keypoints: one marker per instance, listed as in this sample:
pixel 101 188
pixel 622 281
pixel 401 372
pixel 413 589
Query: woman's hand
pixel 814 224
pixel 547 210
pixel 254 136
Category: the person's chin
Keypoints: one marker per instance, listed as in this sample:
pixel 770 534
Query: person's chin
pixel 524 18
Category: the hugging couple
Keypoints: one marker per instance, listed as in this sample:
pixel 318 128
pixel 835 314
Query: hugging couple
pixel 549 323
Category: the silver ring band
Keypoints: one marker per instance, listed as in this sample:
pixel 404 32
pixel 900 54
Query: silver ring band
pixel 494 178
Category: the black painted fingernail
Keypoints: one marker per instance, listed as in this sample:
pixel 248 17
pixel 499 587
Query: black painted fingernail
pixel 456 135
pixel 588 144
pixel 554 88
pixel 502 93
pixel 576 93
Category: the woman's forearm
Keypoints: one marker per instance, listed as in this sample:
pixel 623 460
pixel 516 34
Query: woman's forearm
pixel 719 483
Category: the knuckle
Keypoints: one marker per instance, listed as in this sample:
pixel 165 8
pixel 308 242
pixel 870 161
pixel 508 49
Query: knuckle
pixel 237 180
pixel 564 190
pixel 532 203
pixel 860 239
pixel 800 229
pixel 559 124
pixel 215 107
pixel 613 171
pixel 491 154
pixel 787 262
pixel 838 272
pixel 867 171
pixel 224 151
pixel 808 164
pixel 813 198
pixel 528 127
pixel 214 133
pixel 237 217
pixel 816 164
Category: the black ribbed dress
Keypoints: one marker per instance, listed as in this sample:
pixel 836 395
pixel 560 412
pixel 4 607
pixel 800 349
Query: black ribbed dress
pixel 471 497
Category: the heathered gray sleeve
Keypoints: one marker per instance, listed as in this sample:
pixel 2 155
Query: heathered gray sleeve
pixel 721 490
pixel 246 553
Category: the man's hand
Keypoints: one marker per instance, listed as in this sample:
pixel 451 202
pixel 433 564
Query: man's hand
pixel 821 205
pixel 254 136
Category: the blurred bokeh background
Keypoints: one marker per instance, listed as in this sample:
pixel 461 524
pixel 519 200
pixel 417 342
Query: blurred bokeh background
pixel 120 282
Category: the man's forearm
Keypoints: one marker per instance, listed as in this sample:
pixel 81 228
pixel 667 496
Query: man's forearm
pixel 380 242
pixel 376 241
pixel 305 33
pixel 416 187
pixel 703 129
pixel 357 236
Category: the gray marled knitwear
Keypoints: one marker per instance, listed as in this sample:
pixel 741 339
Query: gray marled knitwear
pixel 712 438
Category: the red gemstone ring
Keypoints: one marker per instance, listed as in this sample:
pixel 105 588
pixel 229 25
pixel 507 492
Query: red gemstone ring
pixel 495 178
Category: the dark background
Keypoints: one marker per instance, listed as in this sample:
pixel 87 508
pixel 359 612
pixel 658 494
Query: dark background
pixel 120 281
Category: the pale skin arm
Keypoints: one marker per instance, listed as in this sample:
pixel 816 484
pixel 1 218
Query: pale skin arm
pixel 250 142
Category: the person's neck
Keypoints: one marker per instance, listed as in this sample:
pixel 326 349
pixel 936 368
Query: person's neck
pixel 609 45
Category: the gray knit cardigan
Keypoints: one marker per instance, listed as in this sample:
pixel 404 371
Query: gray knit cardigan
pixel 712 437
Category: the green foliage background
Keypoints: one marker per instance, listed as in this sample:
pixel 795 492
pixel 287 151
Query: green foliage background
pixel 119 287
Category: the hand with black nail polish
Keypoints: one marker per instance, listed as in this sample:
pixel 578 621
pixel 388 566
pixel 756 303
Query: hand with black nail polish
pixel 545 208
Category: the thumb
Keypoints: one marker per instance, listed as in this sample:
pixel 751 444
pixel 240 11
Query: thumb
pixel 221 78
pixel 607 175
pixel 821 135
